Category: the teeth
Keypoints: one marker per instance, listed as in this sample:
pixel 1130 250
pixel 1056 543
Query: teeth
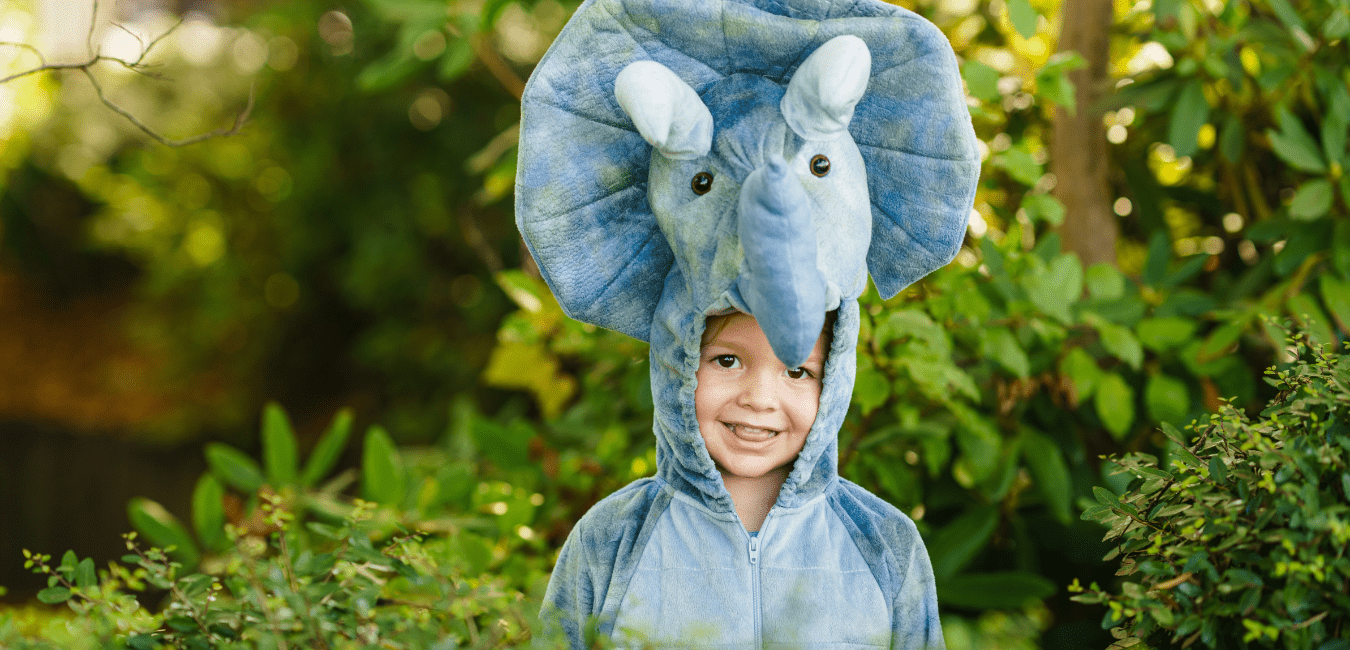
pixel 752 433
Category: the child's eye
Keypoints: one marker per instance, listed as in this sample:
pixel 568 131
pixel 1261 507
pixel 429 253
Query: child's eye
pixel 799 373
pixel 727 361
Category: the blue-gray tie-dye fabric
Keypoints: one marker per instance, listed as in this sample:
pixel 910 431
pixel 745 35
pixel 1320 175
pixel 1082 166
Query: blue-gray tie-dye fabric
pixel 670 169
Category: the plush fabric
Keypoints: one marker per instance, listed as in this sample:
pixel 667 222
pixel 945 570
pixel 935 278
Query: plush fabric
pixel 636 99
pixel 582 189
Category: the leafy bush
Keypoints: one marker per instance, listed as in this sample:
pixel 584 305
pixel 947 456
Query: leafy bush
pixel 436 558
pixel 327 587
pixel 1239 536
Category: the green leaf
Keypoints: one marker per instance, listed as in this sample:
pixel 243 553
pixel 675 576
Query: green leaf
pixel 280 457
pixel 1312 200
pixel 1002 590
pixel 1310 317
pixel 1082 370
pixel 1217 470
pixel 979 441
pixel 1221 340
pixel 383 479
pixel 1120 342
pixel 1294 146
pixel 1046 464
pixel 1167 398
pixel 871 389
pixel 85 576
pixel 1054 290
pixel 1001 345
pixel 1306 238
pixel 1337 26
pixel 1043 207
pixel 329 449
pixel 1053 83
pixel 1021 165
pixel 1233 139
pixel 387 71
pixel 530 365
pixel 1190 112
pixel 1336 122
pixel 981 79
pixel 1165 333
pixel 456 59
pixel 1287 14
pixel 1105 496
pixel 1105 282
pixel 1159 257
pixel 1023 17
pixel 208 513
pixel 1340 237
pixel 957 544
pixel 918 328
pixel 492 10
pixel 1336 296
pixel 528 292
pixel 234 467
pixel 54 595
pixel 1115 405
pixel 162 529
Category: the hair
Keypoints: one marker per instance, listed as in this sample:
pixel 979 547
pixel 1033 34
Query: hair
pixel 714 325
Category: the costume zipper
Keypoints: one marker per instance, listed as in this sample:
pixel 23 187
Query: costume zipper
pixel 754 588
pixel 755 542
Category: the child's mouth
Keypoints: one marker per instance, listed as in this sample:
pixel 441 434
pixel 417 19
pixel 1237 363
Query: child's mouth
pixel 751 434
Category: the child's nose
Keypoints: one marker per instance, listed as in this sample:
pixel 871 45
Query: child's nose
pixel 758 392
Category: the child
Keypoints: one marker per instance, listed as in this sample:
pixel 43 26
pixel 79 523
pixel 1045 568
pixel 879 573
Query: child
pixel 688 175
pixel 754 412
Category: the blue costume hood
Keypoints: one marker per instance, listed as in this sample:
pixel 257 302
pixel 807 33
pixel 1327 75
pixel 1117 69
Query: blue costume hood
pixel 670 168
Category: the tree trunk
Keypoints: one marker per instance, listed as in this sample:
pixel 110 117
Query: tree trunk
pixel 1078 150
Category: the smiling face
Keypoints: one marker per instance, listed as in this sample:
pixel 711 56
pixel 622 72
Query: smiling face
pixel 753 412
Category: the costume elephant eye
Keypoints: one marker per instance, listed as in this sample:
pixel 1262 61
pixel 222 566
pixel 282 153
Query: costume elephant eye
pixel 820 165
pixel 702 183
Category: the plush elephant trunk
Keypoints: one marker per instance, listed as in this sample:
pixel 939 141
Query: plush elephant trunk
pixel 782 286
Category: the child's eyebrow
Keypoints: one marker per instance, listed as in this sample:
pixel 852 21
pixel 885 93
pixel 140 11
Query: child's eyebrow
pixel 719 346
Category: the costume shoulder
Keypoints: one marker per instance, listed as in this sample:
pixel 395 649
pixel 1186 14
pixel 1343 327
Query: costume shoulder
pixel 891 546
pixel 599 557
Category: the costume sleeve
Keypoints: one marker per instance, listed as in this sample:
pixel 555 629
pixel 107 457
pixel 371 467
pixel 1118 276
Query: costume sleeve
pixel 569 602
pixel 914 623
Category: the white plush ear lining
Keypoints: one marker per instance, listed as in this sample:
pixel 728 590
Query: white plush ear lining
pixel 819 101
pixel 666 111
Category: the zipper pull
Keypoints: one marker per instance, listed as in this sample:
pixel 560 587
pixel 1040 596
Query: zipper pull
pixel 754 550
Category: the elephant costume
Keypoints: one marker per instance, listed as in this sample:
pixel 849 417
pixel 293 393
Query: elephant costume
pixel 684 158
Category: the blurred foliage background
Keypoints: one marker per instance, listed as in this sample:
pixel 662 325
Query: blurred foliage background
pixel 1162 178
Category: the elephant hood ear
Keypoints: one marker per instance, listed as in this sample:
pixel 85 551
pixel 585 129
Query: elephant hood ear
pixel 923 162
pixel 581 197
pixel 666 111
pixel 819 101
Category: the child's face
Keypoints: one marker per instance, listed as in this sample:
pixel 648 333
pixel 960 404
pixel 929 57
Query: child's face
pixel 754 412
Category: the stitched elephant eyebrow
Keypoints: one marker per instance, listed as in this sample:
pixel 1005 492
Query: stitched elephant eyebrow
pixel 917 154
pixel 899 224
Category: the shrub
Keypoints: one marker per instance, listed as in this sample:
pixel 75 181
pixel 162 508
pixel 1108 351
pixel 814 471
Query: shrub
pixel 277 591
pixel 1238 538
pixel 435 556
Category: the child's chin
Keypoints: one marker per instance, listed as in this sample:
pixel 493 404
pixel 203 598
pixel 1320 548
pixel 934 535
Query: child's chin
pixel 750 470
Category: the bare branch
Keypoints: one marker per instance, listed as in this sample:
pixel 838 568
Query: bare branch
pixel 239 120
pixel 42 60
pixel 498 67
pixel 133 35
pixel 89 39
pixel 138 66
pixel 156 41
